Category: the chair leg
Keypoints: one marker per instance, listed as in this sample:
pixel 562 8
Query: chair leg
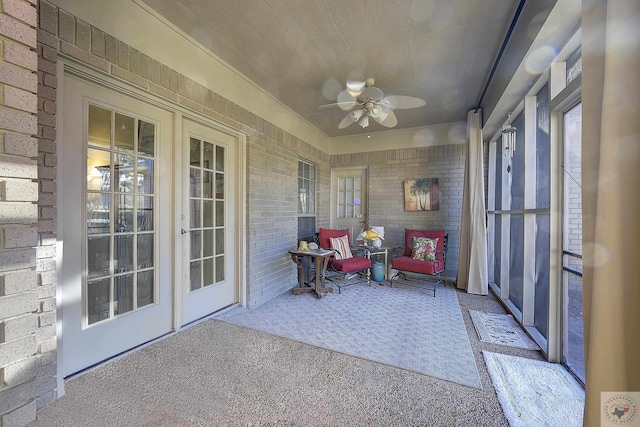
pixel 395 277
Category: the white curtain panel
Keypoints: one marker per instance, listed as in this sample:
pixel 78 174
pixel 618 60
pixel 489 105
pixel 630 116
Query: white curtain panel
pixel 473 267
pixel 611 200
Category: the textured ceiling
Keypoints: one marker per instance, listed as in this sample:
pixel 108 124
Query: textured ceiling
pixel 302 52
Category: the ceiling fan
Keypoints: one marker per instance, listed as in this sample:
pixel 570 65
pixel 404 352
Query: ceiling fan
pixel 367 101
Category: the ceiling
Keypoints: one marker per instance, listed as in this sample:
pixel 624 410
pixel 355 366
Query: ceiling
pixel 302 52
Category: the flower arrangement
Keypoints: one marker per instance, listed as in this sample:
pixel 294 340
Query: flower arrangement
pixel 372 237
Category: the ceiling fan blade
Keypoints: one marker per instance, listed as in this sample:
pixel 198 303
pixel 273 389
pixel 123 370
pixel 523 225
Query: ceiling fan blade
pixel 346 121
pixel 386 118
pixel 395 102
pixel 343 105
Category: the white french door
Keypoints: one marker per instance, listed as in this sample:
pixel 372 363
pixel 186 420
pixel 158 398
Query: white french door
pixel 116 202
pixel 349 202
pixel 208 221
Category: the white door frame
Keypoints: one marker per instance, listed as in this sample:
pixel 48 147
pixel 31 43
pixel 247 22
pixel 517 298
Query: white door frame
pixel 239 164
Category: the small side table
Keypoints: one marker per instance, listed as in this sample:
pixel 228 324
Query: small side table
pixel 382 250
pixel 320 257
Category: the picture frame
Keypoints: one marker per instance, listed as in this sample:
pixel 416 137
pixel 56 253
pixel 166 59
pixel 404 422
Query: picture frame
pixel 421 194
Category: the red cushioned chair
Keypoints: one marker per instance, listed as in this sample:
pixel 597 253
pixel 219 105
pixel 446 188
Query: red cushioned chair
pixel 339 268
pixel 402 261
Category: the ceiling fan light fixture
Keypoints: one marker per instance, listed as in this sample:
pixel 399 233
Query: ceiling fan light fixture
pixel 364 121
pixel 356 114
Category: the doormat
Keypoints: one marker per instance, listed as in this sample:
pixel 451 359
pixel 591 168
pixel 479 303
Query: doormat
pixel 534 392
pixel 501 329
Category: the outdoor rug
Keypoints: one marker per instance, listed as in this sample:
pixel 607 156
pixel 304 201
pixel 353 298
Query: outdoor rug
pixel 535 393
pixel 501 329
pixel 403 326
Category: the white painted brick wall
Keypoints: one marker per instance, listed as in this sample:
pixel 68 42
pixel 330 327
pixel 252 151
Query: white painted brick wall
pixel 16 327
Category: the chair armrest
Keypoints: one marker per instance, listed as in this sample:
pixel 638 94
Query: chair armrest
pixel 397 251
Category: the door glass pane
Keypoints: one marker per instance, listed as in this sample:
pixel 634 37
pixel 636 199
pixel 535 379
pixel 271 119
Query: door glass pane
pixel 145 213
pixel 195 244
pixel 98 214
pixel 194 152
pixel 207 184
pixel 120 214
pixel 124 133
pixel 219 241
pixel 220 158
pixel 124 213
pixel 195 275
pixel 98 300
pixel 98 170
pixel 146 138
pixel 219 213
pixel 99 250
pixel 219 186
pixel 123 294
pixel 219 268
pixel 207 271
pixel 207 155
pixel 207 243
pixel 195 186
pixel 194 213
pixel 144 177
pixel 99 133
pixel 145 288
pixel 207 213
pixel 125 173
pixel 145 250
pixel 123 253
pixel 572 243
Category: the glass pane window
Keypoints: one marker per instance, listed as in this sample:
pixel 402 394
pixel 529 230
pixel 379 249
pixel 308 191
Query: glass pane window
pixel 120 201
pixel 306 200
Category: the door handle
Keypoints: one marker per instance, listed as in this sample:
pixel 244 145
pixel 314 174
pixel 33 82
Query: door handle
pixel 183 231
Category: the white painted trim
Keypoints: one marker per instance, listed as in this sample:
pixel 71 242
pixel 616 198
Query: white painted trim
pixel 59 232
pixel 426 136
pixel 178 217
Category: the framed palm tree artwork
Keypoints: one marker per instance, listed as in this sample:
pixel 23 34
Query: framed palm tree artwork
pixel 421 195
